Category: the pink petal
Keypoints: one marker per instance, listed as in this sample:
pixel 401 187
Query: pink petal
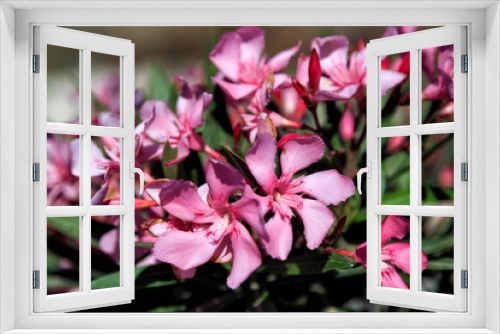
pixel 183 149
pixel 162 124
pixel 360 254
pixel 154 188
pixel 390 79
pixel 390 277
pixel 223 253
pixel 282 81
pixel 327 94
pixel 280 240
pixel 246 256
pixel 185 250
pixel 252 45
pixel 180 198
pixel 260 160
pixel 100 195
pixel 236 91
pixel 332 50
pixel 252 209
pixel 110 244
pixel 98 164
pixel 223 181
pixel 346 126
pixel 394 227
pixel 280 61
pixel 329 186
pixel 398 254
pixel 302 75
pixel 298 153
pixel 317 219
pixel 184 274
pixel 226 55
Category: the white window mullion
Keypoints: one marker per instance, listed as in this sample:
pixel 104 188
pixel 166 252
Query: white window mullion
pixel 415 170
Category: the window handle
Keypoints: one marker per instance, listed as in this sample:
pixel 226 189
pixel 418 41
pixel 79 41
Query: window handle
pixel 139 171
pixel 368 171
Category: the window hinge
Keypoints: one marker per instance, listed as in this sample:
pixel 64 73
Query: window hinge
pixel 36 279
pixel 36 172
pixel 464 171
pixel 465 279
pixel 36 63
pixel 465 64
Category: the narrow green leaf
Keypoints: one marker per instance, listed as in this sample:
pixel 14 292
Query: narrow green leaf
pixel 145 244
pixel 338 261
pixel 69 226
pixel 433 245
pixel 239 163
pixel 441 264
pixel 169 154
pixel 343 273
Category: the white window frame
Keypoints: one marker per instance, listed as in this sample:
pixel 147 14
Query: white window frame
pixel 483 21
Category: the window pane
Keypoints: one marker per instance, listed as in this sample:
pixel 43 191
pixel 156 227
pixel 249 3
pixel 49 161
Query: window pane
pixel 63 69
pixel 63 255
pixel 105 170
pixel 437 244
pixel 63 170
pixel 395 89
pixel 395 170
pixel 105 89
pixel 105 259
pixel 395 252
pixel 437 84
pixel 437 169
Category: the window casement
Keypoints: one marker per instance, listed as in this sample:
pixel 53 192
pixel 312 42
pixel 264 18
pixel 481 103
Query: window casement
pixel 82 135
pixel 452 39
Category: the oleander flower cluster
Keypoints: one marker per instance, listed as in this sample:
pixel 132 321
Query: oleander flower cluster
pixel 253 166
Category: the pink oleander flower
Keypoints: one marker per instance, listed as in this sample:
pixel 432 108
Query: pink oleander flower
pixel 290 104
pixel 396 253
pixel 344 77
pixel 216 208
pixel 440 74
pixel 162 125
pixel 62 184
pixel 393 31
pixel 258 111
pixel 286 193
pixel 311 86
pixel 242 70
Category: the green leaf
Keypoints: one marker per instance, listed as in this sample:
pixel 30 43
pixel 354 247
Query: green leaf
pixel 145 244
pixel 292 269
pixel 169 154
pixel 343 273
pixel 433 245
pixel 158 83
pixel 213 133
pixel 441 264
pixel 338 261
pixel 69 226
pixel 239 163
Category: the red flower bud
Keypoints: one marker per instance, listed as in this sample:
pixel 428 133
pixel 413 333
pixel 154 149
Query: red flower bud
pixel 314 70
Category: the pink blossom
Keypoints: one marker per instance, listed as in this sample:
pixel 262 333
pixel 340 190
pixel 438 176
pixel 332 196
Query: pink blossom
pixel 286 193
pixel 393 31
pixel 216 208
pixel 163 125
pixel 441 74
pixel 258 111
pixel 346 125
pixel 290 104
pixel 62 184
pixel 343 76
pixel 243 71
pixel 396 253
